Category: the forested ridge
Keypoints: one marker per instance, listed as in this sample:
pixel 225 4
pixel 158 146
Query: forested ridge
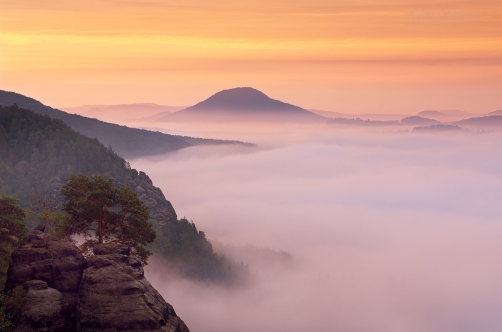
pixel 39 154
pixel 127 142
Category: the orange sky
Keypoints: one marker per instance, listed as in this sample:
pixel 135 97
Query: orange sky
pixel 346 56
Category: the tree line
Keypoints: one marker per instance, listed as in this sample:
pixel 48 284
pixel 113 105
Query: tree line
pixel 39 155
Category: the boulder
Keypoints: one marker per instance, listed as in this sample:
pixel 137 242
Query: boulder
pixel 43 310
pixel 115 296
pixel 108 292
pixel 45 257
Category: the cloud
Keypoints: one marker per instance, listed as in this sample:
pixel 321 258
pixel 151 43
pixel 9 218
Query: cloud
pixel 389 232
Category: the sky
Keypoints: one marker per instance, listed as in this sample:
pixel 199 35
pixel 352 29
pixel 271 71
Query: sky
pixel 345 56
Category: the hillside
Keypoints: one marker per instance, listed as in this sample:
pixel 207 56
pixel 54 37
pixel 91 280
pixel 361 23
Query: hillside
pixel 492 121
pixel 243 104
pixel 37 156
pixel 418 121
pixel 127 142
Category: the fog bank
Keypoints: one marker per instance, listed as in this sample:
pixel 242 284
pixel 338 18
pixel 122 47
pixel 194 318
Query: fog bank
pixel 388 232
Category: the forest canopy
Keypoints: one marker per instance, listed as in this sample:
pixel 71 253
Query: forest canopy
pixel 38 155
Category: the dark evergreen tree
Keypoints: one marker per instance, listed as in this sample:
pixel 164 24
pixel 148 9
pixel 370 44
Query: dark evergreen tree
pixel 102 213
pixel 12 232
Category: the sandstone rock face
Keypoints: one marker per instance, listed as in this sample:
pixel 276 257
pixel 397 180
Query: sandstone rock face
pixel 106 293
pixel 115 296
pixel 44 309
pixel 158 206
pixel 60 264
pixel 47 258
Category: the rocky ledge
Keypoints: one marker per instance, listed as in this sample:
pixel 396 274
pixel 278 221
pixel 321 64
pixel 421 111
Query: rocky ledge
pixel 107 292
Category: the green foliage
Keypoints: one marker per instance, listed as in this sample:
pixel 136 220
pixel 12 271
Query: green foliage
pixel 12 232
pixel 51 220
pixel 101 213
pixel 183 246
pixel 38 153
pixel 10 308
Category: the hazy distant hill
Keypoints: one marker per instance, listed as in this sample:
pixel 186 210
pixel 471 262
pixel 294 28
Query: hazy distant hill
pixel 484 121
pixel 499 112
pixel 152 118
pixel 438 129
pixel 127 142
pixel 332 115
pixel 360 122
pixel 446 115
pixel 121 113
pixel 364 116
pixel 243 104
pixel 418 121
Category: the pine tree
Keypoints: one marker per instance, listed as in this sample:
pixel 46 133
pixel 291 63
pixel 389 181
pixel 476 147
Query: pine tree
pixel 102 213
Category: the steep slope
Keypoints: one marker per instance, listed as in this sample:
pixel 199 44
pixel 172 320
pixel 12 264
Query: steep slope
pixel 243 104
pixel 127 142
pixel 37 156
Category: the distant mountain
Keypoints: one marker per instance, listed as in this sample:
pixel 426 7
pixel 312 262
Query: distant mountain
pixel 243 104
pixel 446 115
pixel 499 112
pixel 418 121
pixel 121 113
pixel 430 113
pixel 151 118
pixel 438 129
pixel 360 122
pixel 332 115
pixel 484 121
pixel 364 116
pixel 127 142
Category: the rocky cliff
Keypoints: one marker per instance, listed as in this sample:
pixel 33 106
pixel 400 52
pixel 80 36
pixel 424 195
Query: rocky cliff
pixel 66 292
pixel 158 206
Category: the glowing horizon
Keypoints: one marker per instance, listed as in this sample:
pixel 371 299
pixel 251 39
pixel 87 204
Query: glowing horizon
pixel 389 58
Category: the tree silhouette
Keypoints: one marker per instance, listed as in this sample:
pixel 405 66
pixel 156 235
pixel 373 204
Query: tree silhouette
pixel 102 213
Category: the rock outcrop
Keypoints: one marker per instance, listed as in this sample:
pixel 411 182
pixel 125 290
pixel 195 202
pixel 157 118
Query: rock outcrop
pixel 108 292
pixel 60 264
pixel 115 296
pixel 158 206
pixel 44 309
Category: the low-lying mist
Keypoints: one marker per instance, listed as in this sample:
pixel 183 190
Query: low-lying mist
pixel 345 231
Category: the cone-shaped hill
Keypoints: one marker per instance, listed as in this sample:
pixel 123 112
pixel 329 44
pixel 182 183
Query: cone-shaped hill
pixel 243 104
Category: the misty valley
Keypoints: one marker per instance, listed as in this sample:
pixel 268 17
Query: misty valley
pixel 250 165
pixel 264 216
